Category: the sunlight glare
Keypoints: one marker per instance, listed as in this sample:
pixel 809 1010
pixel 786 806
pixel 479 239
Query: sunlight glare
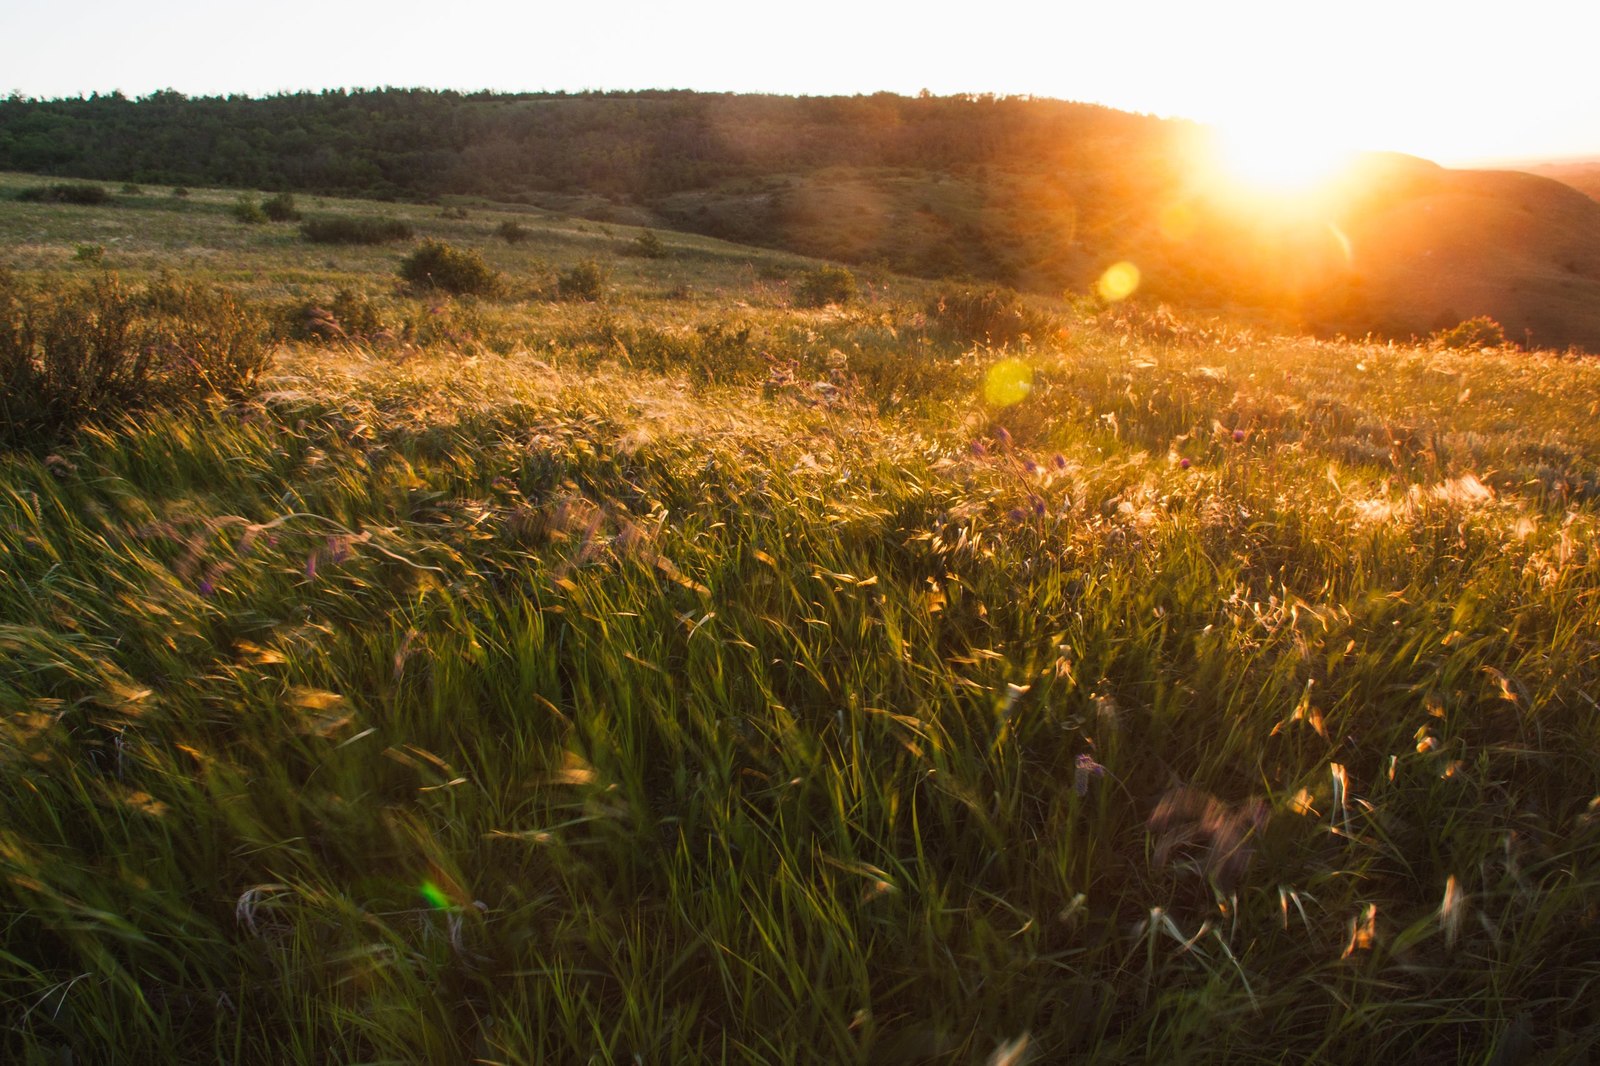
pixel 1277 160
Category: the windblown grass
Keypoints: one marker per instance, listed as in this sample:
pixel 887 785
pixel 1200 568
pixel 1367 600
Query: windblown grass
pixel 715 680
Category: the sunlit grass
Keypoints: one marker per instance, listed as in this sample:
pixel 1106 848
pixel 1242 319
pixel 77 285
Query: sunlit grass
pixel 681 681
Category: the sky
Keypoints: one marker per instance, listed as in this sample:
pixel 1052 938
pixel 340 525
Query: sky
pixel 1457 81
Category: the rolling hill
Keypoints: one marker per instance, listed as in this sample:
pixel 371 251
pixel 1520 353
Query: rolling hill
pixel 1041 195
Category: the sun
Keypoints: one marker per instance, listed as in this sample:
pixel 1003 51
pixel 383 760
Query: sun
pixel 1274 161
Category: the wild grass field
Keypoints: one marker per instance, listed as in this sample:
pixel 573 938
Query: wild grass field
pixel 696 675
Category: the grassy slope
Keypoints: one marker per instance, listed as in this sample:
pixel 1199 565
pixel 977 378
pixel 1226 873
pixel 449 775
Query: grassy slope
pixel 590 685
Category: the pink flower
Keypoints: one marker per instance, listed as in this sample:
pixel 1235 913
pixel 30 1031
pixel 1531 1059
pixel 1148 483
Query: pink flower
pixel 1085 769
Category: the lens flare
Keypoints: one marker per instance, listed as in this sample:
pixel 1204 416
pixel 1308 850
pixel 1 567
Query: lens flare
pixel 1120 281
pixel 1343 242
pixel 1008 382
pixel 435 896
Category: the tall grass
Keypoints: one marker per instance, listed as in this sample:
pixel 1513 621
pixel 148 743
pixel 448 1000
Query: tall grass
pixel 598 686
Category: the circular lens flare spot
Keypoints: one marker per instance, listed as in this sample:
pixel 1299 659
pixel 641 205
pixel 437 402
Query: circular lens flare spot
pixel 1120 281
pixel 435 896
pixel 1008 382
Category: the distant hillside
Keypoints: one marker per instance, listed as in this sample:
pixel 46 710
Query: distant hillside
pixel 1037 194
pixel 1583 176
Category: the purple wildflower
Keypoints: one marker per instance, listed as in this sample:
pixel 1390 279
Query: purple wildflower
pixel 1016 514
pixel 977 449
pixel 1002 435
pixel 1238 436
pixel 1038 506
pixel 1086 769
pixel 207 589
pixel 1030 466
pixel 1184 463
pixel 1060 461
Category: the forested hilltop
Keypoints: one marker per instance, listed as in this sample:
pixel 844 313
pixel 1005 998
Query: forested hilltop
pixel 419 143
pixel 1038 194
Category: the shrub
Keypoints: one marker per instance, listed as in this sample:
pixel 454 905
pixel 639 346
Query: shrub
pixel 355 230
pixel 180 192
pixel 1479 332
pixel 89 253
pixel 648 246
pixel 74 353
pixel 994 315
pixel 826 285
pixel 459 213
pixel 347 316
pixel 84 193
pixel 586 281
pixel 281 208
pixel 130 189
pixel 249 212
pixel 511 232
pixel 436 265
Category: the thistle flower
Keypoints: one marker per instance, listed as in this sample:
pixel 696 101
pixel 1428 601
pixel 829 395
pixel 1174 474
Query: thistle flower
pixel 1002 435
pixel 1085 769
pixel 1238 436
pixel 1059 461
pixel 207 589
pixel 1184 464
pixel 1030 466
pixel 977 449
pixel 1016 514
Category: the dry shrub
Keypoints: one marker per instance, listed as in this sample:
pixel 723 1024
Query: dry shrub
pixel 70 353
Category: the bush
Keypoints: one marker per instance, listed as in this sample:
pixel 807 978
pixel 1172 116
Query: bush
pixel 511 232
pixel 180 192
pixel 130 189
pixel 826 285
pixel 281 208
pixel 249 212
pixel 73 353
pixel 458 213
pixel 347 316
pixel 586 281
pixel 996 316
pixel 1480 332
pixel 66 193
pixel 355 230
pixel 436 265
pixel 648 246
pixel 89 253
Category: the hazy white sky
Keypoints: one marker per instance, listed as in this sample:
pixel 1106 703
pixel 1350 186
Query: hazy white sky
pixel 1454 80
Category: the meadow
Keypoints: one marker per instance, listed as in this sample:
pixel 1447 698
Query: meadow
pixel 693 674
